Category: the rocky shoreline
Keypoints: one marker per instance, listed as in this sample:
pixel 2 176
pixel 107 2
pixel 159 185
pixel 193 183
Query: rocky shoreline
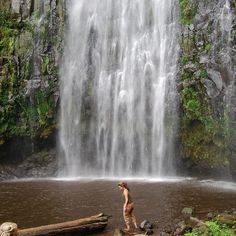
pixel 213 224
pixel 224 223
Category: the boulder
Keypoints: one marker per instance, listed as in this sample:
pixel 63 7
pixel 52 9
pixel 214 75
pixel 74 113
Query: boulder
pixel 226 219
pixel 41 164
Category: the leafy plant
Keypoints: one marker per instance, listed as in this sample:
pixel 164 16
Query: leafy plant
pixel 214 229
pixel 184 59
pixel 218 230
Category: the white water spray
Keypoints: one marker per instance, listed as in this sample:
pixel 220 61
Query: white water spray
pixel 118 88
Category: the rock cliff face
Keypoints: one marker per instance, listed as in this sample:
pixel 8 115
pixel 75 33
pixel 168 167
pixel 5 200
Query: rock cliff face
pixel 31 45
pixel 31 42
pixel 207 88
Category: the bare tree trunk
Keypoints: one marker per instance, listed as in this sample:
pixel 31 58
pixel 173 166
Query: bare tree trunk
pixel 79 227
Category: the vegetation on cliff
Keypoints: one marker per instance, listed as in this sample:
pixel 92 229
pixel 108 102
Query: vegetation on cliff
pixel 205 78
pixel 28 75
pixel 188 11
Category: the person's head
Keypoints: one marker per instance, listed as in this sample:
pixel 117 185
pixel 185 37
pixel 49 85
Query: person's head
pixel 123 185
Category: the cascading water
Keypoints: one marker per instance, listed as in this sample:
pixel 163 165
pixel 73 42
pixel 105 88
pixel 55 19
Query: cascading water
pixel 226 24
pixel 226 20
pixel 118 88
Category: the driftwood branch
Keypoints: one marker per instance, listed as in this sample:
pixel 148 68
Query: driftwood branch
pixel 78 227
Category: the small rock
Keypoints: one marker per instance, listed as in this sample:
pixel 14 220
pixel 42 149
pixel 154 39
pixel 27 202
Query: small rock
pixel 210 216
pixel 145 225
pixel 188 211
pixel 149 232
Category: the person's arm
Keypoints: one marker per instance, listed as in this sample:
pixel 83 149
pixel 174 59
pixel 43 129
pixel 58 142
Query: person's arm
pixel 126 198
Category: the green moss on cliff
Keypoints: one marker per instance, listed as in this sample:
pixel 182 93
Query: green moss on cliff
pixel 203 134
pixel 207 132
pixel 204 142
pixel 188 11
pixel 22 114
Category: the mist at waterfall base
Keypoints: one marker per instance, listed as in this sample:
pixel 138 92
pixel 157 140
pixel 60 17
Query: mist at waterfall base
pixel 118 88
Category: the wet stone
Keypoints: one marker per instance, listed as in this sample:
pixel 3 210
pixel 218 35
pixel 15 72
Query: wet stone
pixel 226 219
pixel 188 211
pixel 210 216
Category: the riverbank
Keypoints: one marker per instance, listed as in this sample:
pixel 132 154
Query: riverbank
pixel 214 223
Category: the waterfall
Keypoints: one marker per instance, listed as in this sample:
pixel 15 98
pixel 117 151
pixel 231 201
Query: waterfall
pixel 118 88
pixel 226 20
pixel 226 26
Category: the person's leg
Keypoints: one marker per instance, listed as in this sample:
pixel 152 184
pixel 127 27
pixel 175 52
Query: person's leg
pixel 132 216
pixel 134 220
pixel 126 219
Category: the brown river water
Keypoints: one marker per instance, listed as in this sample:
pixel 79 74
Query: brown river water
pixel 39 202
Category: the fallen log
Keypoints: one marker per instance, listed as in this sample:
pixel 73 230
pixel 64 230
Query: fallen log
pixel 77 227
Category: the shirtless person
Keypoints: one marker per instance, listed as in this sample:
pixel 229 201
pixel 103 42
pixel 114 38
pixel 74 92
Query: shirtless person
pixel 128 207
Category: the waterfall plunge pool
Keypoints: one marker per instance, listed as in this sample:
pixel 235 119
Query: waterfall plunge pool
pixel 32 203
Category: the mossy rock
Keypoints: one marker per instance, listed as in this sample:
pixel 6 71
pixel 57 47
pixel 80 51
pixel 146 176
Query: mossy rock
pixel 226 219
pixel 188 211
